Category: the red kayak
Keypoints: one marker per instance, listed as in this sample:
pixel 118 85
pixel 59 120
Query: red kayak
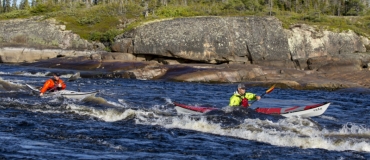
pixel 303 111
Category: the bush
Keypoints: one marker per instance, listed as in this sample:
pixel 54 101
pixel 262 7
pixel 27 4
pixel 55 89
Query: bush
pixel 39 9
pixel 95 36
pixel 109 35
pixel 175 12
pixel 90 20
pixel 15 14
pixel 313 17
pixel 133 10
pixel 44 8
pixel 106 37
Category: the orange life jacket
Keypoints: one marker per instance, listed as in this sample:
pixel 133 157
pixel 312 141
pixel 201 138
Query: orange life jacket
pixel 52 85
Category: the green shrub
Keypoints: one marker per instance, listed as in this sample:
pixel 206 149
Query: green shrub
pixel 95 36
pixel 88 20
pixel 106 37
pixel 39 9
pixel 168 12
pixel 15 14
pixel 44 8
pixel 312 17
pixel 109 35
pixel 133 10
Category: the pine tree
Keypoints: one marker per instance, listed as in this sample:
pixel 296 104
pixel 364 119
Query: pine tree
pixel 24 5
pixel 14 5
pixel 6 5
pixel 1 6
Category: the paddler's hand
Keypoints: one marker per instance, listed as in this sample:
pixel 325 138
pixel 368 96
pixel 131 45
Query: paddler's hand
pixel 41 94
pixel 258 98
pixel 60 85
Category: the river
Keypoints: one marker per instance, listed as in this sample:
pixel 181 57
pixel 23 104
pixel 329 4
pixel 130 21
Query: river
pixel 135 119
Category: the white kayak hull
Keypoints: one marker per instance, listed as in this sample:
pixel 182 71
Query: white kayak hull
pixel 74 95
pixel 66 93
pixel 181 110
pixel 309 113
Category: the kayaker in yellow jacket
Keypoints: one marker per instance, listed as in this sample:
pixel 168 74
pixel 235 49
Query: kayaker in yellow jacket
pixel 241 98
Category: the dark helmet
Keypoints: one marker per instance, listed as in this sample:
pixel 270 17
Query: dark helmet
pixel 56 74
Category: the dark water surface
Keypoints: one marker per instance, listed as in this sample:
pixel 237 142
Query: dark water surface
pixel 132 119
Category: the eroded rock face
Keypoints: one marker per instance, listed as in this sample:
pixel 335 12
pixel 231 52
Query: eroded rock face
pixel 307 42
pixel 41 34
pixel 212 39
pixel 241 40
pixel 29 40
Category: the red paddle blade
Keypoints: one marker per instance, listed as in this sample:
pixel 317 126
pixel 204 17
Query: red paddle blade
pixel 270 89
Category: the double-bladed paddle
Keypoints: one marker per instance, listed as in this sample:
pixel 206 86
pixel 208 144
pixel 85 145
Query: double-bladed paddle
pixel 267 92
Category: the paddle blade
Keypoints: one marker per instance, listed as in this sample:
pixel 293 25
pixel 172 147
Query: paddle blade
pixel 270 89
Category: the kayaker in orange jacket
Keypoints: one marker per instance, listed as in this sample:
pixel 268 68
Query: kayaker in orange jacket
pixel 53 84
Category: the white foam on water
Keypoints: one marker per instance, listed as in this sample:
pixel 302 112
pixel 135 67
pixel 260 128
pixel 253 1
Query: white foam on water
pixel 289 132
pixel 6 73
pixel 168 100
pixel 38 74
pixel 106 92
pixel 11 82
pixel 158 107
pixel 351 128
pixel 121 104
pixel 8 99
pixel 328 118
pixel 22 73
pixel 108 115
pixel 47 111
pixel 122 101
pixel 66 76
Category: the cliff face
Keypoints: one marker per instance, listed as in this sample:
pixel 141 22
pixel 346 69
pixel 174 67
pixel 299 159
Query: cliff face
pixel 212 39
pixel 307 44
pixel 35 39
pixel 256 40
pixel 41 34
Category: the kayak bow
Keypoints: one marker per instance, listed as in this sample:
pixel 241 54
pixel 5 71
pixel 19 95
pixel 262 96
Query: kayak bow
pixel 302 111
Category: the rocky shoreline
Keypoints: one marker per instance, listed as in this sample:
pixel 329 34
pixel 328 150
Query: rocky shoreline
pixel 332 78
pixel 253 50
